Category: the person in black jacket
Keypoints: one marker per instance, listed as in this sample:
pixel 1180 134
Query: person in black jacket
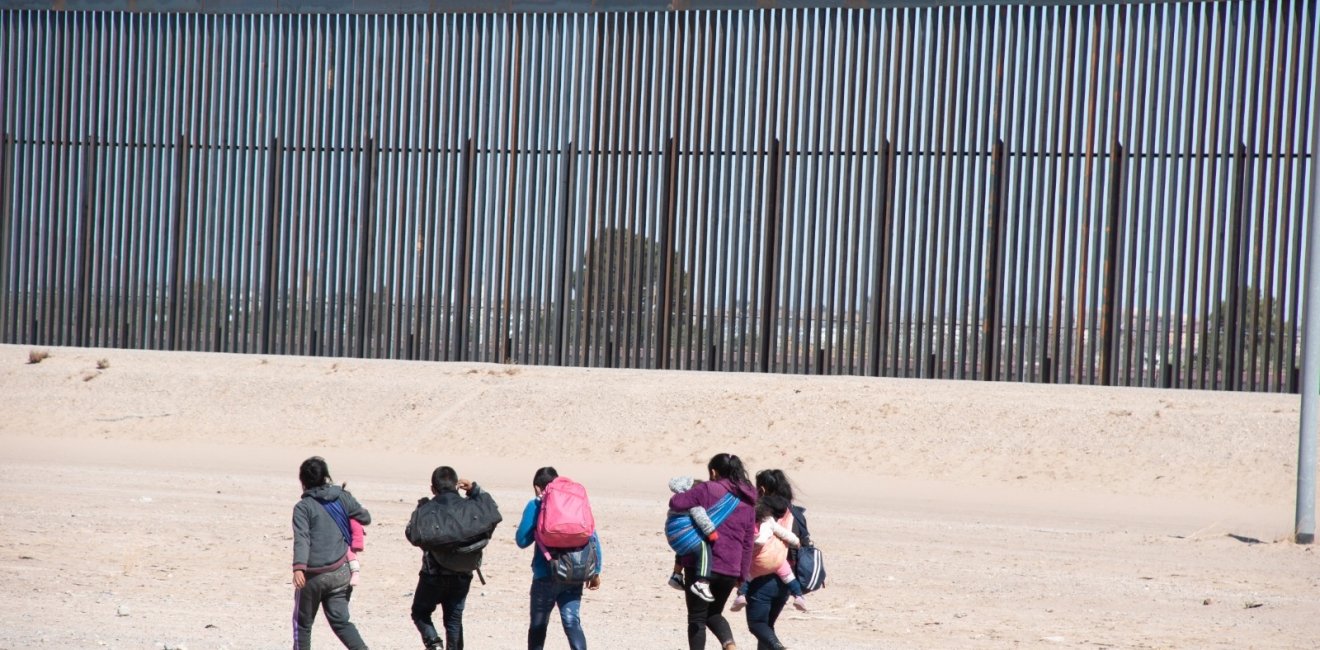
pixel 446 574
pixel 320 555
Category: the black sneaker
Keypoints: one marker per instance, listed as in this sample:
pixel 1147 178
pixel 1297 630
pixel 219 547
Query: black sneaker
pixel 436 644
pixel 676 581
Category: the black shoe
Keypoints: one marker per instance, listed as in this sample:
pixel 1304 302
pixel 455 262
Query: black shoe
pixel 435 644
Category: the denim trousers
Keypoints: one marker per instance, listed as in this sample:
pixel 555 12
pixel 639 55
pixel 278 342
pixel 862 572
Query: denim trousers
pixel 766 596
pixel 449 592
pixel 545 595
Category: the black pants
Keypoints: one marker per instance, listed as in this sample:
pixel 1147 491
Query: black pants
pixel 449 592
pixel 703 615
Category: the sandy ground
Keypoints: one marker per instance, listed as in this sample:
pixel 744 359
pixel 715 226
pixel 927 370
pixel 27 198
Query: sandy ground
pixel 146 505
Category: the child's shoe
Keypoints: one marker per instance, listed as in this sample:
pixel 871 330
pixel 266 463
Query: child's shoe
pixel 702 590
pixel 738 603
pixel 676 581
pixel 800 603
pixel 353 579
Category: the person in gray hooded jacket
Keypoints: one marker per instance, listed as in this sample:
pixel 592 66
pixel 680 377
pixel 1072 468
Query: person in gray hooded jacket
pixel 320 555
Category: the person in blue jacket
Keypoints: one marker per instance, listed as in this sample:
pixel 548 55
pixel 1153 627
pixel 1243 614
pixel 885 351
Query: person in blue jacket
pixel 546 593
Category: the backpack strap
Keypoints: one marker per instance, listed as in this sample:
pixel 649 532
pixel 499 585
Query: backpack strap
pixel 339 516
pixel 800 525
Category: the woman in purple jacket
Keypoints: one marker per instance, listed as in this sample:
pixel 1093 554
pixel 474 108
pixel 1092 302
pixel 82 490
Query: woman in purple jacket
pixel 731 553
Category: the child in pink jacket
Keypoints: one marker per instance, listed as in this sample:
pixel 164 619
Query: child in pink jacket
pixel 355 545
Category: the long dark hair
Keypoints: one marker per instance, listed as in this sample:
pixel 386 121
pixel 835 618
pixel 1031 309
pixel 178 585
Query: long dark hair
pixel 771 506
pixel 728 466
pixel 774 481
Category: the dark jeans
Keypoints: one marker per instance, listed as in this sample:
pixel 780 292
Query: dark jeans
pixel 766 596
pixel 703 615
pixel 450 593
pixel 329 591
pixel 546 593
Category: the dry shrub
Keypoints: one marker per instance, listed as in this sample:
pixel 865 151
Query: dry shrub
pixel 37 356
pixel 102 364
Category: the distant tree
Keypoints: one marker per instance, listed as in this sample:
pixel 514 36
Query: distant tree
pixel 618 284
pixel 1262 324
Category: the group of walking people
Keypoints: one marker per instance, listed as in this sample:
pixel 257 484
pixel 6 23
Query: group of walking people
pixel 745 535
pixel 750 552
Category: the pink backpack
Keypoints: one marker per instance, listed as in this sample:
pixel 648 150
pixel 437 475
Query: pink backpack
pixel 565 520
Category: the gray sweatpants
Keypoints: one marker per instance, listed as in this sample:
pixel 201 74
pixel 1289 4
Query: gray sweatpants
pixel 331 591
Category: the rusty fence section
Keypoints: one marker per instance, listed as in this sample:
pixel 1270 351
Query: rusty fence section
pixel 1096 194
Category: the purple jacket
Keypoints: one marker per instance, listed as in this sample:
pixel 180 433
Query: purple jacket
pixel 731 553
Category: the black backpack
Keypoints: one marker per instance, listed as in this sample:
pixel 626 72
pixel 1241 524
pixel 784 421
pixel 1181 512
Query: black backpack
pixel 808 562
pixel 455 525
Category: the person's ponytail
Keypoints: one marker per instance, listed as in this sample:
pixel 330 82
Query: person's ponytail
pixel 314 472
pixel 728 466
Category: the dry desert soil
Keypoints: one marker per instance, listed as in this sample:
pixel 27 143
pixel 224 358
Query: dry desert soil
pixel 147 504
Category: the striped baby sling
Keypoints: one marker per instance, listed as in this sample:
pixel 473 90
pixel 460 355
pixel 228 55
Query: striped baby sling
pixel 682 533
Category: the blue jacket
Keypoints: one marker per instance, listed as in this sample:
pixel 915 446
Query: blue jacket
pixel 527 537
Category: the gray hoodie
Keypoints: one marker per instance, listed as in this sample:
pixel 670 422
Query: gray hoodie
pixel 318 544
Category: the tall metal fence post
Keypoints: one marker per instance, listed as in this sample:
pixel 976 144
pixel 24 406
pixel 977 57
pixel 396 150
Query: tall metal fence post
pixel 880 273
pixel 85 247
pixel 1114 225
pixel 664 318
pixel 565 273
pixel 994 288
pixel 461 324
pixel 1233 327
pixel 6 241
pixel 272 259
pixel 1306 446
pixel 366 246
pixel 770 252
pixel 176 251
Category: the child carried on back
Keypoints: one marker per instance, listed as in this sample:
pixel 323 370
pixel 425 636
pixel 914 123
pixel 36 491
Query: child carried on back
pixel 690 532
pixel 772 513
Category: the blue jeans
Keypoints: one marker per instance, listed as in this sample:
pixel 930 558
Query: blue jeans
pixel 546 593
pixel 449 592
pixel 766 596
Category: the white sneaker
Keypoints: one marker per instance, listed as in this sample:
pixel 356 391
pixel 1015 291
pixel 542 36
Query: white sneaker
pixel 738 603
pixel 800 603
pixel 702 590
